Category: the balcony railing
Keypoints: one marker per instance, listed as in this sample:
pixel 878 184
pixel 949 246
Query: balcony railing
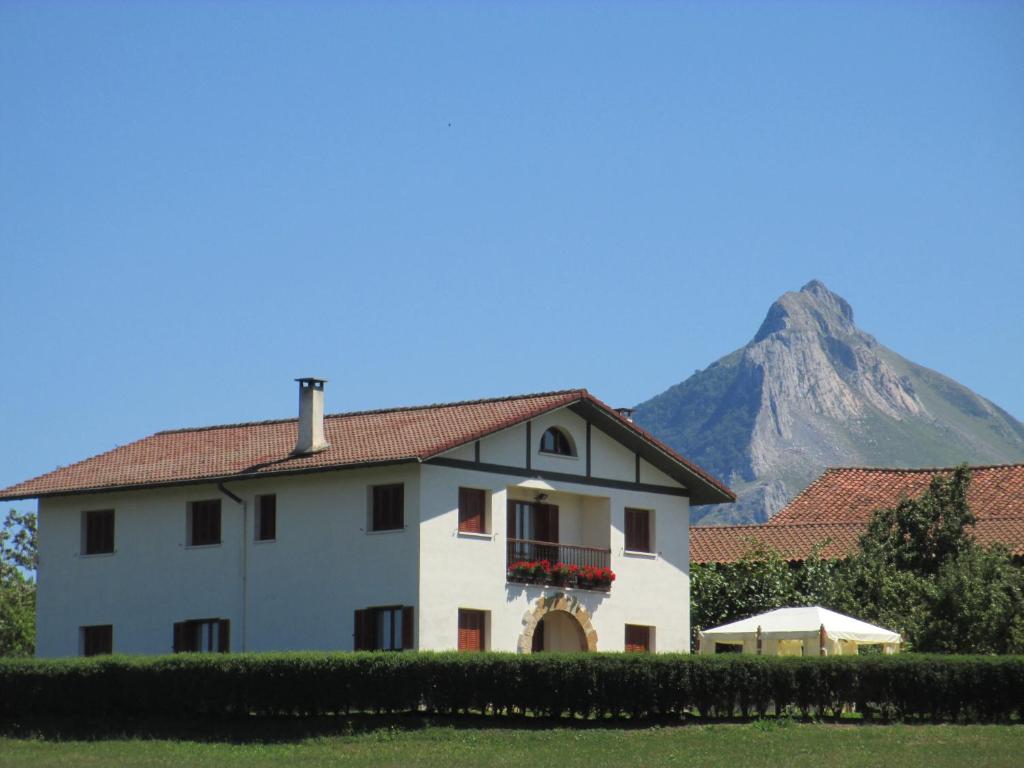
pixel 553 552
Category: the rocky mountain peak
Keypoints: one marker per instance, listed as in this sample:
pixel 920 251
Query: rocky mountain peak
pixel 814 309
pixel 812 390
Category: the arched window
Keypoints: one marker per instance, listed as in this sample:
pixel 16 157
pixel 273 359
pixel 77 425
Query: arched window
pixel 556 441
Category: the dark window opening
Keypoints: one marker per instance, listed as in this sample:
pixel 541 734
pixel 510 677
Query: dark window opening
pixel 638 530
pixel 266 517
pixel 638 639
pixel 388 507
pixel 99 532
pixel 202 636
pixel 472 502
pixel 97 640
pixel 556 441
pixel 537 642
pixel 389 628
pixel 204 522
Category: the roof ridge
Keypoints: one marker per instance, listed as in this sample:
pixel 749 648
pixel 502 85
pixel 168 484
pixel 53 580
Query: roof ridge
pixel 907 470
pixel 376 411
pixel 766 526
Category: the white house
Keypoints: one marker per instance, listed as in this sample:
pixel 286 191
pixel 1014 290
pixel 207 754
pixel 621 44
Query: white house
pixel 389 529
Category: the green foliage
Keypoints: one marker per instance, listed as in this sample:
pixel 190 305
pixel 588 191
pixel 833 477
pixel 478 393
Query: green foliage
pixel 18 561
pixel 917 571
pixel 761 581
pixel 636 686
pixel 919 535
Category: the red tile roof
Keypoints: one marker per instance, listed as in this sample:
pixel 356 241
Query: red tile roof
pixel 729 543
pixel 235 451
pixel 836 507
pixel 851 494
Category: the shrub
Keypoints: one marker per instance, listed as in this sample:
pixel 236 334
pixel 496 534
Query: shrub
pixel 930 688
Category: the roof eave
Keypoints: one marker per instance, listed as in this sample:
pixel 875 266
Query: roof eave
pixel 235 477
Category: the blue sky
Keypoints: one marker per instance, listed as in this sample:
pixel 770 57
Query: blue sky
pixel 436 201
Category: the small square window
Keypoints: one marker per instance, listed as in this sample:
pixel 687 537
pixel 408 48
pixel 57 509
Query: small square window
pixel 388 628
pixel 472 630
pixel 472 510
pixel 97 640
pixel 204 522
pixel 202 636
pixel 638 530
pixel 638 639
pixel 388 512
pixel 98 532
pixel 266 517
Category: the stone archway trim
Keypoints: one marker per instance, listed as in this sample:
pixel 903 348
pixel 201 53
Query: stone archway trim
pixel 556 602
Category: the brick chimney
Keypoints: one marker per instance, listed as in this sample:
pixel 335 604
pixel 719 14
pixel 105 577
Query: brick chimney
pixel 311 417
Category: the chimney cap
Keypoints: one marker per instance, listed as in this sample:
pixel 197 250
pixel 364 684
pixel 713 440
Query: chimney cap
pixel 312 381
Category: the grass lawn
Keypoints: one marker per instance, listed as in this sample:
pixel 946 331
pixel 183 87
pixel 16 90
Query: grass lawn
pixel 755 744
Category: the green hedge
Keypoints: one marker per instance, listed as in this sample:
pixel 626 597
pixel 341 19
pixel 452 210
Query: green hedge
pixel 933 688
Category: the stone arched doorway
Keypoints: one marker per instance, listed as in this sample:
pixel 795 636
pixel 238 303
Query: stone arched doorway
pixel 564 623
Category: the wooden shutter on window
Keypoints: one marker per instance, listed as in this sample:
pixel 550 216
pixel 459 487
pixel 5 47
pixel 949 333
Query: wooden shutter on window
pixel 471 510
pixel 510 520
pixel 179 637
pixel 224 632
pixel 552 522
pixel 408 628
pixel 638 530
pixel 638 639
pixel 362 627
pixel 471 630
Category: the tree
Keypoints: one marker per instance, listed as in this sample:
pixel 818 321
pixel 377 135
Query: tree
pixel 759 582
pixel 19 558
pixel 920 571
pixel 919 535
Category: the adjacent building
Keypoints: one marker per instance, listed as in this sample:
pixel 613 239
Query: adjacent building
pixel 833 512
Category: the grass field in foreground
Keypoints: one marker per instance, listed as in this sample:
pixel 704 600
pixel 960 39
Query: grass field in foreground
pixel 755 744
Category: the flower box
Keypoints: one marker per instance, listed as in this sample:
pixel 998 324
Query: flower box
pixel 560 574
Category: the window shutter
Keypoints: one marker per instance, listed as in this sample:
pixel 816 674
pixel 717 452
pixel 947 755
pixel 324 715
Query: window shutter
pixel 552 523
pixel 471 630
pixel 638 639
pixel 224 631
pixel 408 628
pixel 638 530
pixel 179 637
pixel 510 520
pixel 359 642
pixel 471 510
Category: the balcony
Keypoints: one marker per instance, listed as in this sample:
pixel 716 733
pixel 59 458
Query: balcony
pixel 531 561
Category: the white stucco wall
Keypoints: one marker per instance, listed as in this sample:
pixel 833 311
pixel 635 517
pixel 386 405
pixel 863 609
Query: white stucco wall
pixel 303 588
pixel 468 571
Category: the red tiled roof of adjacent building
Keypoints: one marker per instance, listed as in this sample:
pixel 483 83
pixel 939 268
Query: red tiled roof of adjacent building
pixel 730 543
pixel 834 511
pixel 237 451
pixel 851 494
